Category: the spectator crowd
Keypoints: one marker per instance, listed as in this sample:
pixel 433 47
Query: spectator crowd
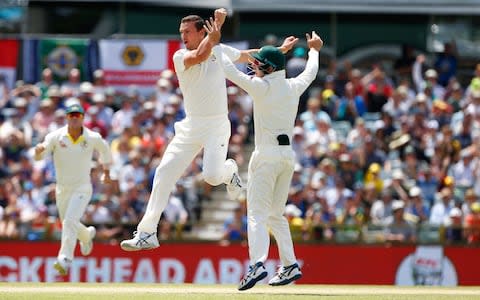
pixel 381 156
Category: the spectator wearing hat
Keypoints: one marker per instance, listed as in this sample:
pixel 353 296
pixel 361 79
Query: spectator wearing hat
pixel 431 77
pixel 357 136
pixel 382 208
pixel 324 135
pixel 98 81
pixel 45 82
pixel 463 171
pixel 105 112
pixel 54 94
pixel 73 82
pixel 59 120
pixel 472 224
pixel 43 118
pixel 397 228
pixel 417 207
pixel 312 114
pixel 85 94
pixel 15 124
pixel 163 91
pixel 123 118
pixel 457 99
pixel 31 94
pixel 397 105
pixel 348 170
pixel 469 198
pixel 94 123
pixel 454 226
pixel 441 209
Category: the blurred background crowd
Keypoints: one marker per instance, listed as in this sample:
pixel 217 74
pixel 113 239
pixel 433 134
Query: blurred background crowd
pixel 387 137
pixel 382 156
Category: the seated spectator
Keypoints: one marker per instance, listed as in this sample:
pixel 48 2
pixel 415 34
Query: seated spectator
pixel 454 230
pixel 398 229
pixel 235 228
pixel 382 208
pixel 472 224
pixel 297 224
pixel 441 209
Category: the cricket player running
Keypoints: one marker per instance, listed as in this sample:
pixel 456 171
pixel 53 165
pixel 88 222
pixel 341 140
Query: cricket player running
pixel 206 124
pixel 73 148
pixel 271 166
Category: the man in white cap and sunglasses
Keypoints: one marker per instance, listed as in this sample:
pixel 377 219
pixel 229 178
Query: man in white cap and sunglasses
pixel 73 147
pixel 272 163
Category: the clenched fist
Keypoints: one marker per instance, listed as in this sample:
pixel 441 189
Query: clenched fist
pixel 314 41
pixel 220 16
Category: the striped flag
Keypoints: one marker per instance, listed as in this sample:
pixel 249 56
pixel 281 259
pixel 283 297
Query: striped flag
pixel 8 61
pixel 138 62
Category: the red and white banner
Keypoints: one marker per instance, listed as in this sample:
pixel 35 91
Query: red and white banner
pixel 136 62
pixel 8 61
pixel 212 263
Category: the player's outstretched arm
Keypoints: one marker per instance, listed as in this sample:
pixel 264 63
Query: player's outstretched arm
pixel 286 46
pixel 303 80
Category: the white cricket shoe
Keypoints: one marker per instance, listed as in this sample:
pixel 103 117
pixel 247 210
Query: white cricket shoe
pixel 62 265
pixel 235 187
pixel 285 275
pixel 255 273
pixel 141 241
pixel 86 248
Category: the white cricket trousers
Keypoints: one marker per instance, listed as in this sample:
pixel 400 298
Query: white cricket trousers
pixel 191 135
pixel 72 202
pixel 270 173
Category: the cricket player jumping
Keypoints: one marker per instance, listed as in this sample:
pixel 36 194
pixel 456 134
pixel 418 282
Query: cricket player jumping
pixel 271 166
pixel 206 125
pixel 72 147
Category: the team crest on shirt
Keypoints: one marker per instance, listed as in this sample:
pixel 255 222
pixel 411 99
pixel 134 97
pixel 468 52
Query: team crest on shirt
pixel 84 144
pixel 62 144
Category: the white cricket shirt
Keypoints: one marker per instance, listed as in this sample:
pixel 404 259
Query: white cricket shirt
pixel 73 160
pixel 203 85
pixel 275 98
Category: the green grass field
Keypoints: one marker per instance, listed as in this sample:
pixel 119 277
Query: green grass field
pixel 109 291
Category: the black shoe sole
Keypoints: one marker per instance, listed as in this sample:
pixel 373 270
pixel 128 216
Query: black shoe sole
pixel 287 281
pixel 253 282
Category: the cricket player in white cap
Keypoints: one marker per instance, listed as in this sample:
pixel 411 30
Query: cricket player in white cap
pixel 206 124
pixel 272 163
pixel 73 147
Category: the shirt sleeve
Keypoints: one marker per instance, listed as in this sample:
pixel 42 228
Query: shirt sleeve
pixel 232 53
pixel 178 60
pixel 105 156
pixel 252 85
pixel 302 81
pixel 49 144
